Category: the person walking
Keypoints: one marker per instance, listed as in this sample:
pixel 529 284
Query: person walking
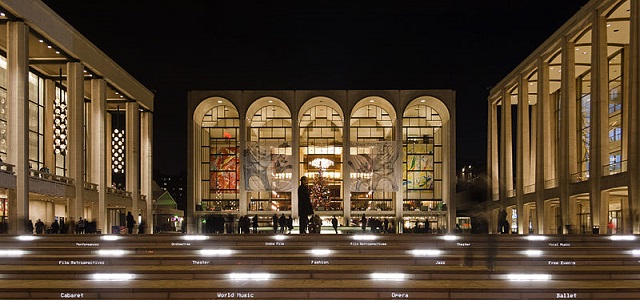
pixel 304 204
pixel 131 222
pixel 334 223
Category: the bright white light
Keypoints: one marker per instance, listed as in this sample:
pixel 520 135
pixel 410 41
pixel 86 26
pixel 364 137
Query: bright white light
pixel 280 237
pixel 533 253
pixel 111 252
pixel 536 237
pixel 451 237
pixel 635 252
pixel 215 252
pixel 27 237
pixel 112 276
pixel 388 276
pixel 249 276
pixel 426 252
pixel 320 252
pixel 195 237
pixel 623 237
pixel 364 237
pixel 110 237
pixel 529 277
pixel 12 252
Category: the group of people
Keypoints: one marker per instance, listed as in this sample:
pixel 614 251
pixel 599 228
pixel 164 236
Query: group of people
pixel 82 226
pixel 377 225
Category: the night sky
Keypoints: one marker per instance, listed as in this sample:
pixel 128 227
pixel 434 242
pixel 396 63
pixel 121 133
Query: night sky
pixel 175 46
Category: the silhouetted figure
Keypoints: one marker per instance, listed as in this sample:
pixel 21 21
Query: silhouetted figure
pixel 334 223
pixel 282 221
pixel 304 204
pixel 274 222
pixel 39 227
pixel 55 227
pixel 130 223
pixel 363 223
pixel 30 227
pixel 290 224
pixel 254 223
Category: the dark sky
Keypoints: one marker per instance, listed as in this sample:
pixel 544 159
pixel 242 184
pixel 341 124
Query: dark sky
pixel 176 46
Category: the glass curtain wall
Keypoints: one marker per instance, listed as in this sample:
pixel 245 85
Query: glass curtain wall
pixel 268 160
pixel 372 156
pixel 422 159
pixel 615 114
pixel 584 124
pixel 321 156
pixel 220 163
pixel 555 91
pixel 36 122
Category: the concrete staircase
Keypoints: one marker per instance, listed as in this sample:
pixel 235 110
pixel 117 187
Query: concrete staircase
pixel 346 266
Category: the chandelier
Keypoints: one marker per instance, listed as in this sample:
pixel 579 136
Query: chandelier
pixel 321 163
pixel 117 146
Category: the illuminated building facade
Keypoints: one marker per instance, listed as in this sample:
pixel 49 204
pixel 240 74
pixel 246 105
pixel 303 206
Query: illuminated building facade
pixel 574 166
pixel 382 153
pixel 75 128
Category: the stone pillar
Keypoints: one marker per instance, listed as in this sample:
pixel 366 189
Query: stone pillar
pixel 599 144
pixel 568 137
pixel 49 98
pixel 399 197
pixel 543 138
pixel 18 122
pixel 132 154
pixel 295 155
pixel 75 155
pixel 634 122
pixel 146 160
pixel 492 151
pixel 346 170
pixel 506 160
pixel 449 164
pixel 523 150
pixel 99 155
pixel 193 171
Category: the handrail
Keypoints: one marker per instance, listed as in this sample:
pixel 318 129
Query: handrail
pixel 614 168
pixel 6 168
pixel 115 191
pixel 90 186
pixel 50 177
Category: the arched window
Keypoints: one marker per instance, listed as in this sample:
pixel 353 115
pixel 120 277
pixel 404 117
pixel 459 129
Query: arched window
pixel 372 156
pixel 422 158
pixel 321 153
pixel 268 161
pixel 220 159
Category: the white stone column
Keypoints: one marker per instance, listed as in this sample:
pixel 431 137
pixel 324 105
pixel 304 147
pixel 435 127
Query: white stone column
pixel 18 122
pixel 146 160
pixel 399 194
pixel 99 155
pixel 523 150
pixel 75 155
pixel 568 137
pixel 295 156
pixel 599 144
pixel 193 171
pixel 492 150
pixel 634 114
pixel 346 170
pixel 132 154
pixel 49 98
pixel 506 146
pixel 543 137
